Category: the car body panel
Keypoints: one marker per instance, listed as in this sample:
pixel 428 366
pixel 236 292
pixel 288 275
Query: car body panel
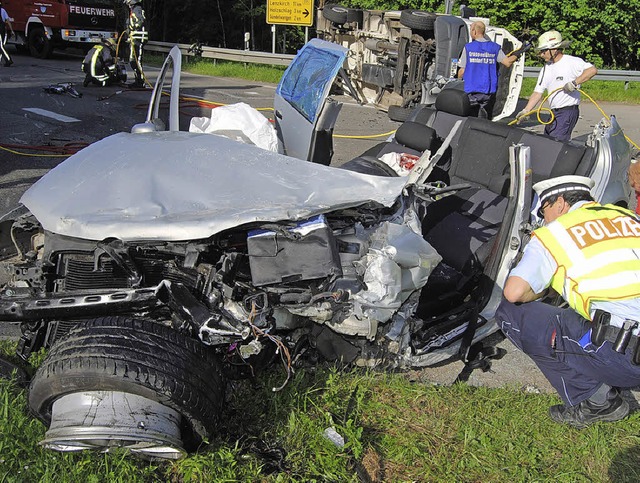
pixel 180 185
pixel 301 94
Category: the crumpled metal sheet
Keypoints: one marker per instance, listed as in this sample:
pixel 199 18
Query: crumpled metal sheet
pixel 398 263
pixel 181 186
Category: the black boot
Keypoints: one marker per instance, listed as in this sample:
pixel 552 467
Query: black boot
pixel 586 413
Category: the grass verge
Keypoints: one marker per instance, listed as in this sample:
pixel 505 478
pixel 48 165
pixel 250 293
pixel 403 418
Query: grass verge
pixel 395 430
pixel 221 68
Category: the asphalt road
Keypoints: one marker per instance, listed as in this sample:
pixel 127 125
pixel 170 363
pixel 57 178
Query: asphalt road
pixel 104 111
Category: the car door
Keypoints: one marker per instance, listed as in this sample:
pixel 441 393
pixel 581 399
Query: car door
pixel 304 115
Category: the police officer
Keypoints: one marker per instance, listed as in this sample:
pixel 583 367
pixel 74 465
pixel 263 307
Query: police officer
pixel 562 76
pixel 6 30
pixel 479 69
pixel 99 64
pixel 137 37
pixel 590 254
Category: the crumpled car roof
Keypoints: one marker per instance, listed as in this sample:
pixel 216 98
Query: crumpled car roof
pixel 180 186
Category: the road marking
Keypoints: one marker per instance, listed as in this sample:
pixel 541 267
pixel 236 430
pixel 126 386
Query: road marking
pixel 53 115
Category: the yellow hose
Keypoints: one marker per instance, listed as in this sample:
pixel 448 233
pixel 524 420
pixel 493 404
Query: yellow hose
pixel 546 109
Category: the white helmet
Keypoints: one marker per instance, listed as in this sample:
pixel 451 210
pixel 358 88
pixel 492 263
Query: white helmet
pixel 131 3
pixel 552 39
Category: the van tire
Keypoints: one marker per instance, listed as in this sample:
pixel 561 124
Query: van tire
pixel 340 15
pixel 418 19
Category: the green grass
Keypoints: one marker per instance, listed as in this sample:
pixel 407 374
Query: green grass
pixel 220 68
pixel 396 430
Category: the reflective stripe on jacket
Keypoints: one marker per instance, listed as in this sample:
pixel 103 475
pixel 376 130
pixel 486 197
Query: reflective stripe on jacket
pixel 597 249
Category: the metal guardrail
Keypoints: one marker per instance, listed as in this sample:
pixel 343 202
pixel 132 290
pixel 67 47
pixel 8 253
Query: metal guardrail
pixel 253 57
pixel 249 56
pixel 612 75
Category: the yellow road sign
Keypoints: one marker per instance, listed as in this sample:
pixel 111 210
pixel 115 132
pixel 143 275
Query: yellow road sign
pixel 290 12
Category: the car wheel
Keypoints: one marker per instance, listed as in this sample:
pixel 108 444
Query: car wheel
pixel 39 44
pixel 116 381
pixel 340 15
pixel 417 19
pixel 398 113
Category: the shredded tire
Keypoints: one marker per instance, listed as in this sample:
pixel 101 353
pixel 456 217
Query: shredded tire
pixel 398 113
pixel 139 357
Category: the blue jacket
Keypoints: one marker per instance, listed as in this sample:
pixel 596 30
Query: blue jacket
pixel 481 69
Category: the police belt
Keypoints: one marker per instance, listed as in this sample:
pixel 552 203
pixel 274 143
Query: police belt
pixel 612 333
pixel 620 337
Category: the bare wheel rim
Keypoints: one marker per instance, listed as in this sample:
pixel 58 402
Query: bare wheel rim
pixel 103 420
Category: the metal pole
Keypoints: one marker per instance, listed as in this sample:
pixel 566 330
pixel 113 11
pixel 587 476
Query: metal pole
pixel 306 35
pixel 273 39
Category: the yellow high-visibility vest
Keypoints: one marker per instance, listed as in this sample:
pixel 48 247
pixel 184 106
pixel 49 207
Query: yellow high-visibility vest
pixel 597 249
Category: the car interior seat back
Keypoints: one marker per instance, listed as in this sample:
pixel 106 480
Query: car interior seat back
pixel 411 138
pixel 463 226
pixel 551 158
pixel 479 141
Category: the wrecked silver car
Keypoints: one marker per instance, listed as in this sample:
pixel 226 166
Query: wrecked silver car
pixel 158 264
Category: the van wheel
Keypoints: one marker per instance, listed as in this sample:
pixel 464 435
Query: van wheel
pixel 340 15
pixel 39 44
pixel 417 19
pixel 147 388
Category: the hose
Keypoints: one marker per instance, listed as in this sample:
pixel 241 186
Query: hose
pixel 540 109
pixel 62 151
pixel 135 56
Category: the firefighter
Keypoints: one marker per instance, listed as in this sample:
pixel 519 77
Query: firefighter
pixel 137 36
pixel 99 64
pixel 6 30
pixel 562 75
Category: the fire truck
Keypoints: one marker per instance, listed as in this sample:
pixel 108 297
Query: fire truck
pixel 42 25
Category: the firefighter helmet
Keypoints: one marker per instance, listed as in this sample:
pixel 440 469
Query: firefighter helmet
pixel 552 39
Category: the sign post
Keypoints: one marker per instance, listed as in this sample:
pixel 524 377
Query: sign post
pixel 290 12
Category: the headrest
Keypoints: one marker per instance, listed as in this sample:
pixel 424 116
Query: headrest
pixel 453 101
pixel 415 136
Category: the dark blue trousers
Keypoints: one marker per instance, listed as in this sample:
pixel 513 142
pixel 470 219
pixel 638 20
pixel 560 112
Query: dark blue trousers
pixel 565 119
pixel 555 339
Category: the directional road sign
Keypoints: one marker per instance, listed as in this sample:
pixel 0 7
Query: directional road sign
pixel 290 12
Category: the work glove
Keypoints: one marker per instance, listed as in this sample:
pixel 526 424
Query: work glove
pixel 525 48
pixel 570 87
pixel 522 116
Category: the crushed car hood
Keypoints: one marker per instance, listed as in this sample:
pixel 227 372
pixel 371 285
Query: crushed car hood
pixel 180 186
